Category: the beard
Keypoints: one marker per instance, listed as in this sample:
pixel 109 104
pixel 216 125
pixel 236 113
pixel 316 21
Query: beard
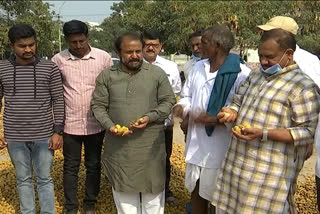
pixel 28 55
pixel 133 65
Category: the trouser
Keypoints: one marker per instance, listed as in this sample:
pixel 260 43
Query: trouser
pixel 72 145
pixel 27 157
pixel 168 141
pixel 139 203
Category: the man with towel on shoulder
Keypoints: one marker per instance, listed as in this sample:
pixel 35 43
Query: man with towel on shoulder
pixel 210 85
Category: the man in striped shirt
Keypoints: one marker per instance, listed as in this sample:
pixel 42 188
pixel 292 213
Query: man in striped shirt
pixel 80 65
pixel 33 117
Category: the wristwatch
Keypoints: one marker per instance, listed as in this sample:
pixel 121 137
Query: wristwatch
pixel 264 135
pixel 60 132
pixel 58 129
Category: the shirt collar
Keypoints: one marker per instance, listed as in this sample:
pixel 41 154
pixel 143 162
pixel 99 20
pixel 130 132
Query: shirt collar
pixel 91 54
pixel 206 68
pixel 155 62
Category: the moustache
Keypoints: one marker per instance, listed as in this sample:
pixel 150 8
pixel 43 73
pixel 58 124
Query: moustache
pixel 134 60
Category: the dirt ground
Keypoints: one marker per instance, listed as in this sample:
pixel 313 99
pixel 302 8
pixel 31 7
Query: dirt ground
pixel 179 138
pixel 305 196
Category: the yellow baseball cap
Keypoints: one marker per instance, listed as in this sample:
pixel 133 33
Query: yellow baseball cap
pixel 283 22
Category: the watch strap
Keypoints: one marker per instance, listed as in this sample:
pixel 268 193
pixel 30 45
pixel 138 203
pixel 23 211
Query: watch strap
pixel 58 129
pixel 264 135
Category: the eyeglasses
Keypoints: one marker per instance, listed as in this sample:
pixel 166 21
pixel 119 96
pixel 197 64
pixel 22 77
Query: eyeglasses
pixel 148 45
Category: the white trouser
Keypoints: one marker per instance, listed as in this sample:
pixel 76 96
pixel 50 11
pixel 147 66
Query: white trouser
pixel 129 203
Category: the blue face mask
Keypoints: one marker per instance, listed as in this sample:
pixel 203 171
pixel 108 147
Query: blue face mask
pixel 273 69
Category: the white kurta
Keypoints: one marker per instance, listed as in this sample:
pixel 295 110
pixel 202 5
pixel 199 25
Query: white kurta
pixel 201 149
pixel 310 65
pixel 172 71
pixel 173 74
pixel 187 68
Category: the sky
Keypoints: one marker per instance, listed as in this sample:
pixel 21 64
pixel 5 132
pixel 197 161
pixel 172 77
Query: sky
pixel 87 11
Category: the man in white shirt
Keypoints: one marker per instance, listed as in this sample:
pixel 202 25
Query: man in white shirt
pixel 310 65
pixel 195 44
pixel 205 149
pixel 151 50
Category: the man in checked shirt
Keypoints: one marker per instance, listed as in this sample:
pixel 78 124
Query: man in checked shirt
pixel 80 65
pixel 281 104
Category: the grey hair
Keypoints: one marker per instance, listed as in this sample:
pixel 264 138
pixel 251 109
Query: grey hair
pixel 220 34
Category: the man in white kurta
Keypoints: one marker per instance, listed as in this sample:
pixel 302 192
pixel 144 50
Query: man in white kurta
pixel 201 149
pixel 204 153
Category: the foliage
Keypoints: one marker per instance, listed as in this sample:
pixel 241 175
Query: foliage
pixel 175 20
pixel 36 13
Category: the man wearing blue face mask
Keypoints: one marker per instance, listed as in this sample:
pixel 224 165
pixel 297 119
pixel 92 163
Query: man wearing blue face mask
pixel 310 65
pixel 281 106
pixel 307 62
pixel 274 68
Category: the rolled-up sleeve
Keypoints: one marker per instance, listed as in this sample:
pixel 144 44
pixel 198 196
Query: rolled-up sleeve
pixel 305 108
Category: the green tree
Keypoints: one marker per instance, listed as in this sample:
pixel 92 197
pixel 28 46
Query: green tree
pixel 37 14
pixel 175 20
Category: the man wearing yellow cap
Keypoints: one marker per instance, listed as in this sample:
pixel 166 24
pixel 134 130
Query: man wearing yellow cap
pixel 310 65
pixel 278 108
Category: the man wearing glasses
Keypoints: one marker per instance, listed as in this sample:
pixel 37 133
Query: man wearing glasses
pixel 152 48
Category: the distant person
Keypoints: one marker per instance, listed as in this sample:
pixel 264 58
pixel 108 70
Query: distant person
pixel 218 76
pixel 195 44
pixel 151 50
pixel 310 65
pixel 80 65
pixel 136 95
pixel 279 107
pixel 33 117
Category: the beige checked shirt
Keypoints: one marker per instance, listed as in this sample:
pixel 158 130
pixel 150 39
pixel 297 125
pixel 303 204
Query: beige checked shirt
pixel 79 76
pixel 260 177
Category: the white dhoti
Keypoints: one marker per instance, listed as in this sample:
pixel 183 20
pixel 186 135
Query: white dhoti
pixel 207 181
